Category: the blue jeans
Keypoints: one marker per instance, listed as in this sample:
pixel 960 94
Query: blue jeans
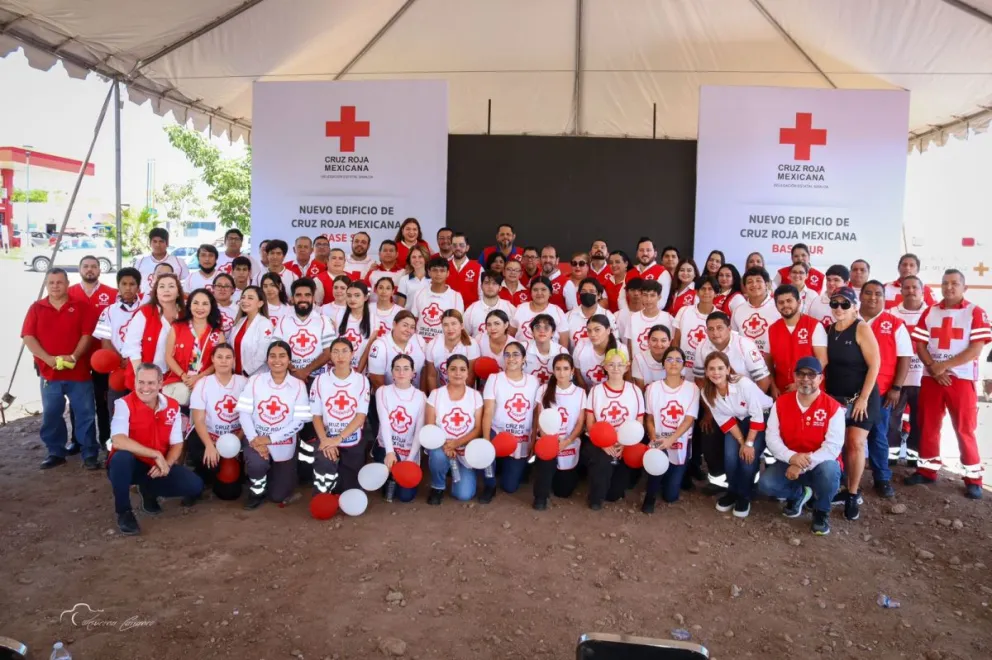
pixel 878 447
pixel 53 430
pixel 124 469
pixel 824 479
pixel 740 475
pixel 464 488
pixel 511 473
pixel 669 484
pixel 402 494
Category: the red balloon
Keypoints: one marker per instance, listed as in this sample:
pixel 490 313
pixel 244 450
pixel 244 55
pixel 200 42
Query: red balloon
pixel 229 470
pixel 602 434
pixel 633 455
pixel 118 380
pixel 105 361
pixel 486 367
pixel 505 444
pixel 407 474
pixel 546 447
pixel 323 506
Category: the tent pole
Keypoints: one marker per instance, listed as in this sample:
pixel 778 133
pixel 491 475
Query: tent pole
pixel 577 86
pixel 7 399
pixel 375 38
pixel 118 221
pixel 792 42
pixel 489 118
pixel 971 11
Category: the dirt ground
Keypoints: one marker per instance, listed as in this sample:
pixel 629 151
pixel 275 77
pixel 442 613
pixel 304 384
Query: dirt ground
pixel 474 581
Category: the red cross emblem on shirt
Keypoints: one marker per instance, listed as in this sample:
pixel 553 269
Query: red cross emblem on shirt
pixel 564 417
pixel 672 415
pixel 272 411
pixel 383 329
pixel 755 326
pixel 802 335
pixel 696 336
pixel 456 423
pixel 517 407
pixel 803 137
pixel 615 413
pixel 103 298
pixel 170 415
pixel 556 287
pixel 946 333
pixel 399 420
pixel 886 327
pixel 303 343
pixel 642 339
pixel 820 416
pixel 432 314
pixel 543 375
pixel 225 408
pixel 469 275
pixel 596 375
pixel 347 129
pixel 355 337
pixel 813 280
pixel 226 322
pixel 579 334
pixel 341 405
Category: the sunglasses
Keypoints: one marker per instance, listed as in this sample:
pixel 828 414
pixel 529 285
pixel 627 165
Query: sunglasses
pixel 579 264
pixel 840 304
pixel 805 375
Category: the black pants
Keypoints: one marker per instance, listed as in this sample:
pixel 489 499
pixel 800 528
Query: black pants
pixel 607 480
pixel 549 479
pixel 101 386
pixel 194 458
pixel 908 397
pixel 277 479
pixel 708 446
pixel 340 475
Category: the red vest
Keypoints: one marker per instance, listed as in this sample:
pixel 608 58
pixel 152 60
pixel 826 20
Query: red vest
pixel 466 281
pixel 884 326
pixel 804 432
pixel 149 340
pixel 814 279
pixel 185 343
pixel 787 347
pixel 148 427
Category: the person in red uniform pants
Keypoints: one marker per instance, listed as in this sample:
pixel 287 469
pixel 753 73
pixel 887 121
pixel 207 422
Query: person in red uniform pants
pixel 465 274
pixel 506 239
pixel 147 442
pixel 949 338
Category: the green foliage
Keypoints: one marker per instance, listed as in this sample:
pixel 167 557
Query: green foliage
pixel 180 202
pixel 135 226
pixel 229 179
pixel 37 196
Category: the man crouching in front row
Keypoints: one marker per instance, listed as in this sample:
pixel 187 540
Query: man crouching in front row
pixel 146 442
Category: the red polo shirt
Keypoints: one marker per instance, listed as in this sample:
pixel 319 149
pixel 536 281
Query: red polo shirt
pixel 59 331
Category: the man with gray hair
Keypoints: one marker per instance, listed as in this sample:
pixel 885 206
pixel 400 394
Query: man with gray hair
pixel 146 443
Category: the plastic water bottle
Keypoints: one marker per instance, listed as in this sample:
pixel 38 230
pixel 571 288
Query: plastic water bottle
pixel 490 471
pixel 390 489
pixel 60 652
pixel 887 603
pixel 456 475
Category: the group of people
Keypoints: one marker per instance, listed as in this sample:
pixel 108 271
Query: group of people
pixel 333 358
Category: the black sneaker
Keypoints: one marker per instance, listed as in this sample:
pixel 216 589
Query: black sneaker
pixel 91 463
pixel 852 508
pixel 917 478
pixel 648 506
pixel 596 506
pixel 254 501
pixel 52 461
pixel 821 523
pixel 698 473
pixel 435 496
pixel 794 508
pixel 973 491
pixel 540 503
pixel 742 508
pixel 726 503
pixel 487 495
pixel 840 499
pixel 150 505
pixel 189 501
pixel 127 523
pixel 884 489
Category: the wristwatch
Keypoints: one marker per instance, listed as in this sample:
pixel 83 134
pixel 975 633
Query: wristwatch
pixel 749 444
pixel 896 388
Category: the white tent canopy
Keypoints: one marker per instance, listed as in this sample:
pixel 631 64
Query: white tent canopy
pixel 548 67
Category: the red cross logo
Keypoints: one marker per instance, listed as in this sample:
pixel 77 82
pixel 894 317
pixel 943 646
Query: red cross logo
pixel 355 337
pixel 399 420
pixel 103 298
pixel 517 407
pixel 170 415
pixel 642 339
pixel 340 405
pixel 596 375
pixel 225 408
pixel 272 411
pixel 802 335
pixel 524 297
pixel 347 129
pixel 820 416
pixel 755 326
pixel 432 314
pixel 564 416
pixel 456 423
pixel 580 334
pixel 946 333
pixel 303 343
pixel 469 275
pixel 226 322
pixel 383 329
pixel 543 375
pixel 697 336
pixel 886 327
pixel 614 413
pixel 813 280
pixel 803 137
pixel 672 415
pixel 556 287
pixel 442 370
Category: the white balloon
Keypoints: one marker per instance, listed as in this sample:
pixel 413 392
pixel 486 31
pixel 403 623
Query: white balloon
pixel 228 445
pixel 431 436
pixel 480 453
pixel 354 502
pixel 630 433
pixel 550 421
pixel 656 462
pixel 373 476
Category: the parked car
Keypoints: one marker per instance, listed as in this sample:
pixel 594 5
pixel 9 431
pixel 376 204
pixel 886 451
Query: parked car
pixel 69 233
pixel 70 252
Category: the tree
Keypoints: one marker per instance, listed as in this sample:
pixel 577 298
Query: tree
pixel 135 226
pixel 37 196
pixel 229 179
pixel 180 203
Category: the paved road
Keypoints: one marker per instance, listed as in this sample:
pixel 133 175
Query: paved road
pixel 23 288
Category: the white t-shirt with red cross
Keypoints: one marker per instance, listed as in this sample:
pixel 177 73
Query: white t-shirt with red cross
pixel 384 349
pixel 669 407
pixel 227 315
pixel 401 416
pixel 753 321
pixel 382 319
pixel 947 331
pixel 219 402
pixel 539 364
pixel 691 325
pixel 337 401
pixel 645 368
pixel 571 403
pixel 576 320
pixel 589 363
pixel 615 407
pixel 911 317
pixel 438 354
pixel 428 308
pixel 513 408
pixel 307 338
pixel 274 410
pixel 475 315
pixel 745 358
pixel 198 280
pixel 524 316
pixel 113 322
pixel 456 418
pixel 638 328
pixel 353 333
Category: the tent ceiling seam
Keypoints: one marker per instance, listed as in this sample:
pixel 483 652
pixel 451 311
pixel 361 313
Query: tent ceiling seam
pixel 375 39
pixel 975 12
pixel 788 37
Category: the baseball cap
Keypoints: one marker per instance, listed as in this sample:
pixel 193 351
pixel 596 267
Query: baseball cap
pixel 811 363
pixel 845 292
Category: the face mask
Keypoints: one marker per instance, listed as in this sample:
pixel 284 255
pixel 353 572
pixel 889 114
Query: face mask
pixel 587 299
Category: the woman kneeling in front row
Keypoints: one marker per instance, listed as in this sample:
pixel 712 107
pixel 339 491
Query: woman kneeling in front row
pixel 560 475
pixel 457 409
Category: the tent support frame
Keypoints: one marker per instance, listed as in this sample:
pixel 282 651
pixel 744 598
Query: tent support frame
pixel 792 42
pixel 974 12
pixel 577 84
pixel 118 217
pixel 374 40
